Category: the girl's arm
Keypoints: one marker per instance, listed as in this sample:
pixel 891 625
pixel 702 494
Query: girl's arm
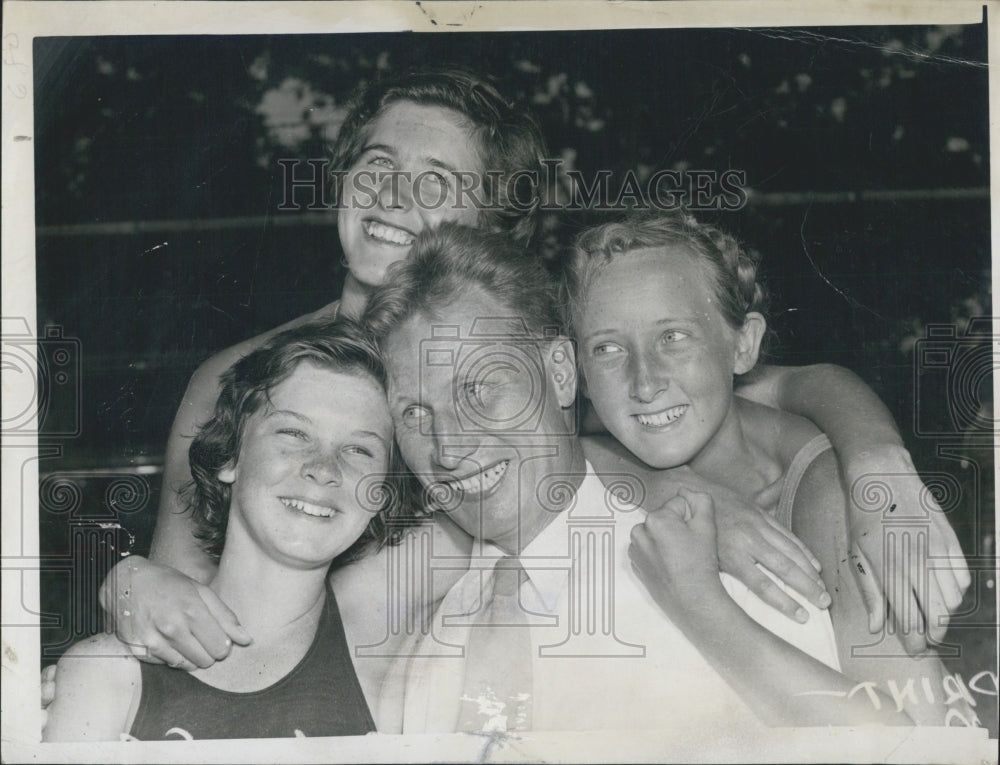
pixel 162 607
pixel 673 552
pixel 174 542
pixel 881 477
pixel 819 518
pixel 97 693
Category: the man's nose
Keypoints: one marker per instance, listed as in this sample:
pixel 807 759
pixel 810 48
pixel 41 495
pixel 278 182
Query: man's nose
pixel 452 445
pixel 646 379
pixel 322 469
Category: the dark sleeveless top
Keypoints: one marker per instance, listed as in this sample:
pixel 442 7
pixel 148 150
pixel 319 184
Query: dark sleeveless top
pixel 321 696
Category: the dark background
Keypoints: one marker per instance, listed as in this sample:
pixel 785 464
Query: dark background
pixel 159 238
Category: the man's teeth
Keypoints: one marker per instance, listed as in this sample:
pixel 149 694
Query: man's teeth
pixel 307 507
pixel 481 482
pixel 387 233
pixel 659 419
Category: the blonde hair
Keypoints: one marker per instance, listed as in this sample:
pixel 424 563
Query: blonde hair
pixel 732 269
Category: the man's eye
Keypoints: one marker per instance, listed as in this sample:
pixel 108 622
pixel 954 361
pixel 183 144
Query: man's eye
pixel 475 393
pixel 292 433
pixel 380 161
pixel 413 415
pixel 606 349
pixel 673 336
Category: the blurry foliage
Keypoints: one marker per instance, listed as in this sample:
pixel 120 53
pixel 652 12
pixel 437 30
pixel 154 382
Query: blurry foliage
pixel 196 124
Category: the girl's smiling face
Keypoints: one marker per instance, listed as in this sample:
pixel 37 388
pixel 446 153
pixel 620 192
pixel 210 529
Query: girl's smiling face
pixel 304 457
pixel 405 180
pixel 658 357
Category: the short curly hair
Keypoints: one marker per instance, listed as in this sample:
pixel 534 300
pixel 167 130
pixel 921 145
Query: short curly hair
pixel 449 260
pixel 339 345
pixel 733 270
pixel 508 139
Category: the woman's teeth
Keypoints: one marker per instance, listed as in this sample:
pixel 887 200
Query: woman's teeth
pixel 389 234
pixel 481 482
pixel 659 419
pixel 307 507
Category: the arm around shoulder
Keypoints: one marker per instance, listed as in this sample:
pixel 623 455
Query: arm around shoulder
pixel 174 542
pixel 876 662
pixel 870 452
pixel 837 400
pixel 97 692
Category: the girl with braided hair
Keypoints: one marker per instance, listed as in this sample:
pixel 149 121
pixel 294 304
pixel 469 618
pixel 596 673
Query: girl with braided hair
pixel 667 312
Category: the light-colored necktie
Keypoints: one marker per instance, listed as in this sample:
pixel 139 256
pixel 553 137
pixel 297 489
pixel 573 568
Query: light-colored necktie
pixel 497 693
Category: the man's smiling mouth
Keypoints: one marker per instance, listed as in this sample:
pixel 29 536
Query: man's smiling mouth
pixel 479 483
pixel 661 419
pixel 382 232
pixel 319 511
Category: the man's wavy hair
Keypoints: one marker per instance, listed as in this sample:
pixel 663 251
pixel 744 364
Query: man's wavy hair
pixel 507 138
pixel 731 269
pixel 446 262
pixel 339 345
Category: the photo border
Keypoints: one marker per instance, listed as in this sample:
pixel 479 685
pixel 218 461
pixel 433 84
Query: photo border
pixel 23 21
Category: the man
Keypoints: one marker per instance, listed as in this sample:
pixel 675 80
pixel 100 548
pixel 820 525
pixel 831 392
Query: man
pixel 550 628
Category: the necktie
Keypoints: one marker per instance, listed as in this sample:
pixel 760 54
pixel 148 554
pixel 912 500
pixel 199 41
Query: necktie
pixel 497 693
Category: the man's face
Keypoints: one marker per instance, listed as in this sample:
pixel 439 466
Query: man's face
pixel 404 181
pixel 482 420
pixel 295 484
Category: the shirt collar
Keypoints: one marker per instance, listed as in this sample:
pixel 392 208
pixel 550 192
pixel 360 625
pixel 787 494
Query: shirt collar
pixel 547 557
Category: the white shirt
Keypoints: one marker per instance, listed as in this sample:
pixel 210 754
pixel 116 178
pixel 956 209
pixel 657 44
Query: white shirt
pixel 605 656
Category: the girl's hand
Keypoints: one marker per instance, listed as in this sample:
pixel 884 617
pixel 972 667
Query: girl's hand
pixel 747 536
pixel 929 574
pixel 48 691
pixel 167 618
pixel 674 554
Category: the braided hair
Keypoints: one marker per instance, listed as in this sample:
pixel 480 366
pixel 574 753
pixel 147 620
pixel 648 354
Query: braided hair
pixel 732 269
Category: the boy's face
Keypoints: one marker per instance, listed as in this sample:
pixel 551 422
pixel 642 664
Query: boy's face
pixel 658 357
pixel 403 182
pixel 295 484
pixel 480 421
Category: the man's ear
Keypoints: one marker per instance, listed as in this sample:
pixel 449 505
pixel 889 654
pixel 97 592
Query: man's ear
pixel 560 361
pixel 748 340
pixel 228 473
